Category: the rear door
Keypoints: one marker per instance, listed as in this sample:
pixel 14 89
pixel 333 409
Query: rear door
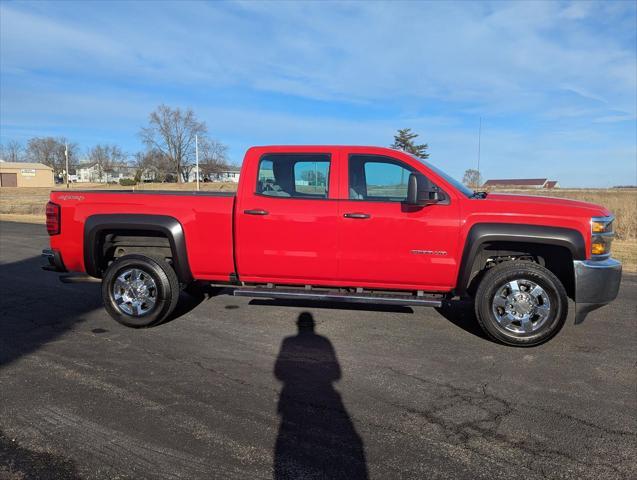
pixel 383 241
pixel 286 219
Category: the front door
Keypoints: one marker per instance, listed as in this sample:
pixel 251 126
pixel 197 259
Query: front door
pixel 286 222
pixel 386 243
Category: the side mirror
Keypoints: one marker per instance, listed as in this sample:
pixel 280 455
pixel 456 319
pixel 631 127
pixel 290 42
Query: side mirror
pixel 416 195
pixel 412 190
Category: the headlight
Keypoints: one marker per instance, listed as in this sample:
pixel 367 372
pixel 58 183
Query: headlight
pixel 601 236
pixel 602 225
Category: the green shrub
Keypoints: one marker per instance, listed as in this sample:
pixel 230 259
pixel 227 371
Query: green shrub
pixel 127 182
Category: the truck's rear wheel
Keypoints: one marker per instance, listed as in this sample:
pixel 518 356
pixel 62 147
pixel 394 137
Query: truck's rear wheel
pixel 140 291
pixel 521 303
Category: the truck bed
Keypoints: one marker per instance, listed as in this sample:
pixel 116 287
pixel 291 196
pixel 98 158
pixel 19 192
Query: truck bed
pixel 206 219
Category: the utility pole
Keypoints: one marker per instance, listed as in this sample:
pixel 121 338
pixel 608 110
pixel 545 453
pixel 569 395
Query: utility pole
pixel 197 160
pixel 66 156
pixel 479 141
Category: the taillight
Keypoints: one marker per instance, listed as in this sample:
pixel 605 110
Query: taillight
pixel 52 218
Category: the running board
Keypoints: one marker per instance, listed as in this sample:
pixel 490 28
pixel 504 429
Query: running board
pixel 78 278
pixel 298 294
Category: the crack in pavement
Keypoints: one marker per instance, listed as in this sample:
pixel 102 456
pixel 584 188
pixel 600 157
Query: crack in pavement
pixel 469 432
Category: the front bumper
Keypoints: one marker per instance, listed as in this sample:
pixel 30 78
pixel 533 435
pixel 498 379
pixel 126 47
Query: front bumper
pixel 596 284
pixel 55 261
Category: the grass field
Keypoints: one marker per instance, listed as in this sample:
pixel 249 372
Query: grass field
pixel 27 204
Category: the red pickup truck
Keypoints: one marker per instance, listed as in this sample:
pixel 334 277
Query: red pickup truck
pixel 344 224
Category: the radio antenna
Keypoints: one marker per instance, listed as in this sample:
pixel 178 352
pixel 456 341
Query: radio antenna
pixel 479 145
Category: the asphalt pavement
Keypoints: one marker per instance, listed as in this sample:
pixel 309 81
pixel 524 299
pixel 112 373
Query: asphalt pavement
pixel 234 388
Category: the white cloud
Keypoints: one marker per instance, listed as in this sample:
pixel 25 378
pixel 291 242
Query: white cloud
pixel 576 10
pixel 503 56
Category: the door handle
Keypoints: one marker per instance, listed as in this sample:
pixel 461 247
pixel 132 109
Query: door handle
pixel 255 212
pixel 359 216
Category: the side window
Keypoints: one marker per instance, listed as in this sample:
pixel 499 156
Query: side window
pixel 294 175
pixel 386 180
pixel 311 177
pixel 378 178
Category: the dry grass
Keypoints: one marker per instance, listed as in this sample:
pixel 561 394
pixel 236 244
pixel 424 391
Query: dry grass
pixel 29 202
pixel 27 205
pixel 626 252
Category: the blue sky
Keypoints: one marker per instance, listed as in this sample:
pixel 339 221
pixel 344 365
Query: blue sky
pixel 555 82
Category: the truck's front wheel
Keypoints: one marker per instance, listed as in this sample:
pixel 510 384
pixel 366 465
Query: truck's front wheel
pixel 521 303
pixel 140 291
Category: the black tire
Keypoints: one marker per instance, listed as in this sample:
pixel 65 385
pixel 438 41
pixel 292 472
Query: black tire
pixel 495 281
pixel 165 294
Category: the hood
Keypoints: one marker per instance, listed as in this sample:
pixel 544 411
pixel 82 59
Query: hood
pixel 550 205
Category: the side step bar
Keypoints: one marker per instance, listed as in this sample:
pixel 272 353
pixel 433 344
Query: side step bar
pixel 298 294
pixel 78 278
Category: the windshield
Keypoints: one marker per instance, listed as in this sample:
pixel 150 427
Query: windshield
pixel 458 185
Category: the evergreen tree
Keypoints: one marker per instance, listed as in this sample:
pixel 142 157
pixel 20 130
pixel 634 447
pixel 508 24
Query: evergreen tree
pixel 404 140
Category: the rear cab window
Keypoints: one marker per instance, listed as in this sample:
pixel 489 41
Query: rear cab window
pixel 294 175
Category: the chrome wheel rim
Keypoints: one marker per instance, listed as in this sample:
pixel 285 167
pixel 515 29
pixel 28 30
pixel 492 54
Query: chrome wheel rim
pixel 521 306
pixel 134 292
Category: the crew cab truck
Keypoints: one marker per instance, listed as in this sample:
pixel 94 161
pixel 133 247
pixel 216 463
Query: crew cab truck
pixel 346 224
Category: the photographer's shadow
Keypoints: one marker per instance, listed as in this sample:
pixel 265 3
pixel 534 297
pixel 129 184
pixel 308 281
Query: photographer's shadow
pixel 317 439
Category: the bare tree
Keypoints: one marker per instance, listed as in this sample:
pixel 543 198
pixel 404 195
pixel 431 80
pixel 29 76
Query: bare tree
pixel 98 155
pixel 50 151
pixel 142 165
pixel 186 169
pixel 172 133
pixel 107 158
pixel 12 151
pixel 472 178
pixel 153 165
pixel 162 167
pixel 118 158
pixel 212 157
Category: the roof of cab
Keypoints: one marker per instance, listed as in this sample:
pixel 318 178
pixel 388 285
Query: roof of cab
pixel 295 148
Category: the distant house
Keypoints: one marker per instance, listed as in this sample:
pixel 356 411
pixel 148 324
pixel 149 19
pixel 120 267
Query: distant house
pixel 24 174
pixel 191 176
pixel 229 175
pixel 92 172
pixel 521 183
pixel 87 172
pixel 516 183
pixel 122 171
